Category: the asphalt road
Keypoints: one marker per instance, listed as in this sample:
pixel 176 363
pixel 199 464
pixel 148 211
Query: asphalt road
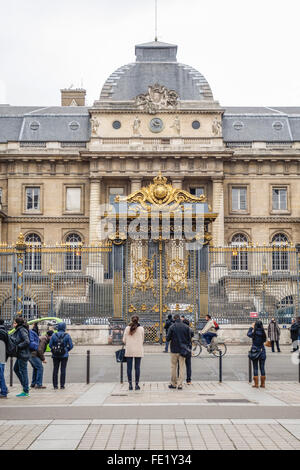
pixel 156 367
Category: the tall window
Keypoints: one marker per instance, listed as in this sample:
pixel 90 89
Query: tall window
pixel 73 255
pixel 280 258
pixel 239 259
pixel 73 199
pixel 239 199
pixel 197 191
pixel 32 199
pixel 279 199
pixel 33 260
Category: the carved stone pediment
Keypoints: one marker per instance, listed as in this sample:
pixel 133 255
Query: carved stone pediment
pixel 157 98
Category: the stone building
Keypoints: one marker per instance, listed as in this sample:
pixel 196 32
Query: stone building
pixel 155 114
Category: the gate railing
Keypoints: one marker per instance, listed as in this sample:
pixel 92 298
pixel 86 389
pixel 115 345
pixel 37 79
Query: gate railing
pixel 253 281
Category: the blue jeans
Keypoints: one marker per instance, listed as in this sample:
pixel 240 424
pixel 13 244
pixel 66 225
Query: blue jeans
pixel 208 337
pixel 167 346
pixel 20 369
pixel 137 367
pixel 261 363
pixel 38 370
pixel 3 387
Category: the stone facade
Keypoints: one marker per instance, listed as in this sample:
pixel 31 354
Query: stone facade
pixel 116 144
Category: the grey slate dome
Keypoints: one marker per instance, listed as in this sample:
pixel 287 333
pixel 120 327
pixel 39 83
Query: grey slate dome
pixel 156 62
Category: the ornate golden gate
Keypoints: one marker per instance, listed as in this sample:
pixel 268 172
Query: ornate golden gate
pixel 163 253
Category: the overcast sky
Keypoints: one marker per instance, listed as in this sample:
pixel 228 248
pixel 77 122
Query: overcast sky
pixel 248 50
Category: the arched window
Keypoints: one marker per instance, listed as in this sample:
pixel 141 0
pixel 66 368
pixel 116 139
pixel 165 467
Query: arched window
pixel 280 258
pixel 239 259
pixel 73 255
pixel 33 260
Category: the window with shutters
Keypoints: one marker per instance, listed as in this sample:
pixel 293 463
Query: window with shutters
pixel 239 199
pixel 279 199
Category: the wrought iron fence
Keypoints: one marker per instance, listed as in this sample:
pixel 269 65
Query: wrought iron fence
pixel 247 282
pixel 91 285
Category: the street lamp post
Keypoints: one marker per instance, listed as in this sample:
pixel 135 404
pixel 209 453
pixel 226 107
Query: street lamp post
pixel 264 275
pixel 51 273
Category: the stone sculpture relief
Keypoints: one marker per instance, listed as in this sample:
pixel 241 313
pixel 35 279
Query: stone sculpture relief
pixel 95 125
pixel 176 125
pixel 216 127
pixel 136 126
pixel 158 97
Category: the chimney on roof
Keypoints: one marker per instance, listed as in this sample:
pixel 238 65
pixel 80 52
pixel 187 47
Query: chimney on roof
pixel 73 96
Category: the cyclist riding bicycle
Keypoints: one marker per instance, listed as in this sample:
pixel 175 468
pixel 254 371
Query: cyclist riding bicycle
pixel 209 332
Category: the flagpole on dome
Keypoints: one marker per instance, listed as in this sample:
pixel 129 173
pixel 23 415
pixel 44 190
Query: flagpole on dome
pixel 155 20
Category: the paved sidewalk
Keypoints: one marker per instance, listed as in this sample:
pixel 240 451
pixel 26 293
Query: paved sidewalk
pixel 184 434
pixel 204 415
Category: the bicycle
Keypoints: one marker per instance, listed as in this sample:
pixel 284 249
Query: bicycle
pixel 214 348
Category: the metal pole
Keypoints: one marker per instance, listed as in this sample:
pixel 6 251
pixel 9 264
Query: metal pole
pixel 160 293
pixel 299 366
pixel 11 372
pixel 250 370
pixel 121 373
pixel 220 367
pixel 88 366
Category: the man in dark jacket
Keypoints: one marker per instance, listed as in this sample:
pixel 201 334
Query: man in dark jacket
pixel 21 339
pixel 180 337
pixel 3 359
pixel 169 322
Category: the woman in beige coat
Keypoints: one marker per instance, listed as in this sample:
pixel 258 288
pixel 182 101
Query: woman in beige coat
pixel 133 339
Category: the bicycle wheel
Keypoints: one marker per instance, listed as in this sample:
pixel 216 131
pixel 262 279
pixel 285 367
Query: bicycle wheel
pixel 220 347
pixel 196 348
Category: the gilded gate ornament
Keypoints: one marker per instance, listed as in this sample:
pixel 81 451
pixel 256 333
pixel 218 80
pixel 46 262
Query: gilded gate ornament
pixel 143 274
pixel 177 274
pixel 159 195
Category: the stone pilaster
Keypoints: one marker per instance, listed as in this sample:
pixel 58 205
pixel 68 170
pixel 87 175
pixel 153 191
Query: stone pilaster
pixel 177 183
pixel 136 184
pixel 95 185
pixel 218 207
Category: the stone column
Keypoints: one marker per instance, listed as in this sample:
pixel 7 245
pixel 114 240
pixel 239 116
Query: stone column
pixel 95 184
pixel 95 267
pixel 136 184
pixel 218 207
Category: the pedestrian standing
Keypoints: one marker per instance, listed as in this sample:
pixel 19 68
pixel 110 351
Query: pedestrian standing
pixel 294 332
pixel 274 334
pixel 188 359
pixel 20 338
pixel 258 353
pixel 3 358
pixel 179 335
pixel 169 322
pixel 60 345
pixel 133 339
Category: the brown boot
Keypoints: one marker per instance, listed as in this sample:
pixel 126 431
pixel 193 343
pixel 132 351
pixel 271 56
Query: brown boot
pixel 262 381
pixel 255 378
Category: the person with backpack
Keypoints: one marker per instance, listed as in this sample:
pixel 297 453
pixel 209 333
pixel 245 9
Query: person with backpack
pixel 35 361
pixel 180 337
pixel 209 331
pixel 60 345
pixel 169 322
pixel 21 340
pixel 257 353
pixel 3 358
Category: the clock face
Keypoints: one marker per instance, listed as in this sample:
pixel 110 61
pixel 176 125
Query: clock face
pixel 156 125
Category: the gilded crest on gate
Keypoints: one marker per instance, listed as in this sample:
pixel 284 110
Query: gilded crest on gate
pixel 160 195
pixel 177 274
pixel 143 274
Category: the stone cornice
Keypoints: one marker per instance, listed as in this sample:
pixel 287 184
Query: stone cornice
pixel 262 220
pixel 40 219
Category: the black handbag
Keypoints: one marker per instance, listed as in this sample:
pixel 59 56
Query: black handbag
pixel 120 355
pixel 254 353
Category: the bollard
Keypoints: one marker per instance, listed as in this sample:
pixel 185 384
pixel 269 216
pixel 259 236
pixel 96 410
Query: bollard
pixel 121 373
pixel 220 367
pixel 250 370
pixel 299 366
pixel 11 372
pixel 88 366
